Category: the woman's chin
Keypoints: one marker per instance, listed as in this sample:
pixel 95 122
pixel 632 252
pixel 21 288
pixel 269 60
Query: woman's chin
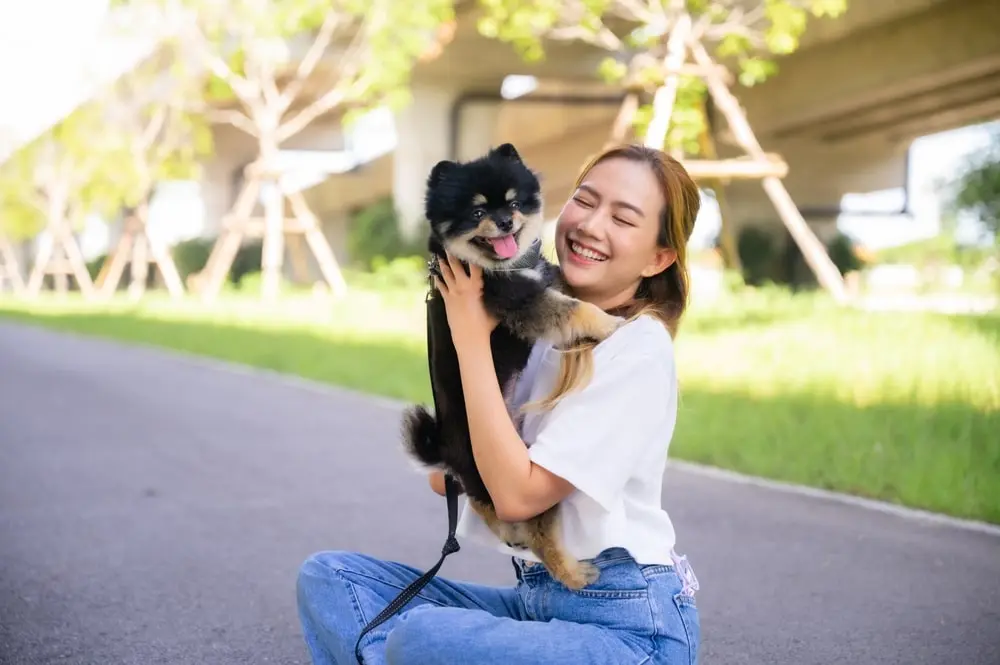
pixel 579 276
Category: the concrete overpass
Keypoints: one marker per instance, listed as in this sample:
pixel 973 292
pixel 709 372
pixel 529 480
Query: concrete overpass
pixel 842 110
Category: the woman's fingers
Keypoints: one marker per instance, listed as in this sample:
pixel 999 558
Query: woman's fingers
pixel 447 276
pixel 474 276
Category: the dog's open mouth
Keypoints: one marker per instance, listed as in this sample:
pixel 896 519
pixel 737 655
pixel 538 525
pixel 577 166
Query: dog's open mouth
pixel 504 246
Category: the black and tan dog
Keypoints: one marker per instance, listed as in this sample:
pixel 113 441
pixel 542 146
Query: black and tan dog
pixel 488 211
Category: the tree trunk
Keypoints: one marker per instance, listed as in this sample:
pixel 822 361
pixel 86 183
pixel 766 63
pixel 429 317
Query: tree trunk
pixel 273 250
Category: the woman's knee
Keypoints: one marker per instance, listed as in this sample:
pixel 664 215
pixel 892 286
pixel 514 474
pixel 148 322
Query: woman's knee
pixel 423 636
pixel 321 568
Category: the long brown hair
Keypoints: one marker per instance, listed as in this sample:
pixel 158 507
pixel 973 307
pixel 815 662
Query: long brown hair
pixel 664 295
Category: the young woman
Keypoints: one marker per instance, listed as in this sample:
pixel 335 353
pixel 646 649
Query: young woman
pixel 597 439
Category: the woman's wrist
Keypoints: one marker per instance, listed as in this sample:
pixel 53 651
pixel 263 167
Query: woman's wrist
pixel 473 348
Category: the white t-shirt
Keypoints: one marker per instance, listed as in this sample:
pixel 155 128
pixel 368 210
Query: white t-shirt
pixel 609 439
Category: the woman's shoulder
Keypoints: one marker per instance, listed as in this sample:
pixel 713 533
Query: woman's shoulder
pixel 643 337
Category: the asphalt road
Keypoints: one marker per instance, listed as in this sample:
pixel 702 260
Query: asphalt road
pixel 155 510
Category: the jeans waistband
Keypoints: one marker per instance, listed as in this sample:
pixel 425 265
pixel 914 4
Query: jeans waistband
pixel 524 568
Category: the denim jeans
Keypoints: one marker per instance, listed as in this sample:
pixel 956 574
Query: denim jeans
pixel 632 615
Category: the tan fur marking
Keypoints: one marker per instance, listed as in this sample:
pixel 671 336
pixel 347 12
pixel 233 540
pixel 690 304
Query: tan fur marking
pixel 564 320
pixel 540 534
pixel 478 200
pixel 511 193
pixel 589 320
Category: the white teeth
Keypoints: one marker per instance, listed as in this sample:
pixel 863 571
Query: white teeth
pixel 586 253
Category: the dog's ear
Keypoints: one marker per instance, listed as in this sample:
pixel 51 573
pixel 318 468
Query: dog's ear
pixel 439 171
pixel 507 151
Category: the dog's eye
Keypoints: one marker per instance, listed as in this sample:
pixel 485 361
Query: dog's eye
pixel 514 205
pixel 478 213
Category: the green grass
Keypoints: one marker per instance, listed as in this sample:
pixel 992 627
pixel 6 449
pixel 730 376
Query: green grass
pixel 901 407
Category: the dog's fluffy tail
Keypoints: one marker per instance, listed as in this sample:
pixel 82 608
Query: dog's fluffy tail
pixel 420 436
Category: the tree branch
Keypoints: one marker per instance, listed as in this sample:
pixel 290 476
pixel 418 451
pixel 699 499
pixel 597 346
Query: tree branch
pixel 235 118
pixel 335 97
pixel 603 38
pixel 155 126
pixel 312 57
pixel 247 92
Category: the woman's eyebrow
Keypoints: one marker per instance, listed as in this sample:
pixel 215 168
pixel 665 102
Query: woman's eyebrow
pixel 620 204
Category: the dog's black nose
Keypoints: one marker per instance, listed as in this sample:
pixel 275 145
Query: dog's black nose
pixel 504 223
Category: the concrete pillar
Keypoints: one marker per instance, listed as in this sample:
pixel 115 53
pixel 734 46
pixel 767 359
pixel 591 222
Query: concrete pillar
pixel 424 128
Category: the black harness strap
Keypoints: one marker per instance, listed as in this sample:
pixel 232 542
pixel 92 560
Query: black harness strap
pixel 451 545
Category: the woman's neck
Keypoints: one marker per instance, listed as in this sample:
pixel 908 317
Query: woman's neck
pixel 609 303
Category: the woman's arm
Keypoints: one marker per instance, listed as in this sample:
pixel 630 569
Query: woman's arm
pixel 436 480
pixel 520 489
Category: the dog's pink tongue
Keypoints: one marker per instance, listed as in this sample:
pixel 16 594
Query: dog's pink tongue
pixel 504 246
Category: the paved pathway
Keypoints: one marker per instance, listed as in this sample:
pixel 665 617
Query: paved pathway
pixel 154 510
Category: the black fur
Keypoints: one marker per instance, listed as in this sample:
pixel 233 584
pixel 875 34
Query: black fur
pixel 511 295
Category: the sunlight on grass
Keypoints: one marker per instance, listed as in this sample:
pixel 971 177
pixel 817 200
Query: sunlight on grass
pixel 902 407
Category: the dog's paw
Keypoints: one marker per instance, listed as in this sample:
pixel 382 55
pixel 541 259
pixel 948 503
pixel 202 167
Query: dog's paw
pixel 589 323
pixel 581 574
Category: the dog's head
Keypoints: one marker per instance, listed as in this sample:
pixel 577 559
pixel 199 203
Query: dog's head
pixel 487 211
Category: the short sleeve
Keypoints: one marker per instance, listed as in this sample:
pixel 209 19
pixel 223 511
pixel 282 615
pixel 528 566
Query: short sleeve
pixel 595 437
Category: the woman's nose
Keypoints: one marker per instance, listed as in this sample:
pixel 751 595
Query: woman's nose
pixel 591 225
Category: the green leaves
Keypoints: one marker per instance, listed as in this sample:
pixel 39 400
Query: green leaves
pixel 976 188
pixel 744 35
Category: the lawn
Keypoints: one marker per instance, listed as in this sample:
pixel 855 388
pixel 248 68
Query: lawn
pixel 900 407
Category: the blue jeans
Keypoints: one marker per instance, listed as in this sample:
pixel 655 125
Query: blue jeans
pixel 632 615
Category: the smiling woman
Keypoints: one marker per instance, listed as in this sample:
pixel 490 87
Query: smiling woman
pixel 598 452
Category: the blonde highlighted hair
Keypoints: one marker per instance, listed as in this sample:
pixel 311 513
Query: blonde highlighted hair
pixel 664 295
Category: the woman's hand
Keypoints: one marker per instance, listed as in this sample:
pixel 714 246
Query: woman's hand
pixel 436 480
pixel 468 319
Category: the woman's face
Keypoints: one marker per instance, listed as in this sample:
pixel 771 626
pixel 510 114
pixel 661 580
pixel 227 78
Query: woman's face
pixel 606 233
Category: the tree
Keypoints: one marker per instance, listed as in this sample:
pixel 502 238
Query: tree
pixel 276 66
pixel 743 35
pixel 158 133
pixel 650 42
pixel 50 185
pixel 976 189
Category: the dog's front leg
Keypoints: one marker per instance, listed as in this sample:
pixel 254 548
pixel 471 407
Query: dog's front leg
pixel 563 320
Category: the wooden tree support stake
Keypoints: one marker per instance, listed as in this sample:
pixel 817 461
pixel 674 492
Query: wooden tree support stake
pixel 10 269
pixel 769 169
pixel 137 247
pixel 55 240
pixel 272 226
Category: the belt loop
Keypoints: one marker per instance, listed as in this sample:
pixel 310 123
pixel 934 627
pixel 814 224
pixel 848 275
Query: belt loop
pixel 517 569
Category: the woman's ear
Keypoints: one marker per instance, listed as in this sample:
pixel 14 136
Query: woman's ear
pixel 663 259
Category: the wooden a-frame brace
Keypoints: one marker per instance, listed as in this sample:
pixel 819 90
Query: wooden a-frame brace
pixel 59 255
pixel 10 269
pixel 770 169
pixel 272 227
pixel 137 248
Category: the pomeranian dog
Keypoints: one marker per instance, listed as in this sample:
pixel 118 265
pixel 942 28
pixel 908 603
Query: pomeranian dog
pixel 488 212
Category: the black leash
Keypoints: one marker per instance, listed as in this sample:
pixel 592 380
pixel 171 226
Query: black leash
pixel 451 545
pixel 406 595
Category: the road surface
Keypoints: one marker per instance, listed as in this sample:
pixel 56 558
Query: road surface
pixel 154 509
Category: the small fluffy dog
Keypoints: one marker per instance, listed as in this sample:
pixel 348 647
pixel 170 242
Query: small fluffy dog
pixel 488 211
